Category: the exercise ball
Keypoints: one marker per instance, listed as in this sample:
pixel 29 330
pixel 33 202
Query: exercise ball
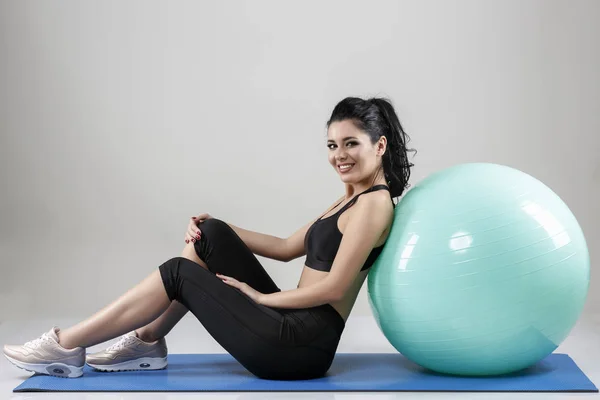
pixel 485 272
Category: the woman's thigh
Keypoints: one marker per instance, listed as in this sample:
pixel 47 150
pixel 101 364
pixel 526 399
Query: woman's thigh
pixel 225 252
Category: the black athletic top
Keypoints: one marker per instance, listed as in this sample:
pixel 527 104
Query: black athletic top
pixel 323 238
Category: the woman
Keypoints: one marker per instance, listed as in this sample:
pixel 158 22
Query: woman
pixel 274 334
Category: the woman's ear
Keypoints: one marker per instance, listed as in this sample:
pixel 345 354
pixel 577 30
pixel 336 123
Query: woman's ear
pixel 381 145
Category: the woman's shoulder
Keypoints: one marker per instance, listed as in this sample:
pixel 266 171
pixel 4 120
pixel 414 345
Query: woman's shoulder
pixel 379 200
pixel 377 197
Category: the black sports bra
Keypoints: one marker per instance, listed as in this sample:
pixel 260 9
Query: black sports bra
pixel 323 238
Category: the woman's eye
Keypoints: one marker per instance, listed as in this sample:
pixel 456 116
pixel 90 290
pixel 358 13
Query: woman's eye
pixel 329 145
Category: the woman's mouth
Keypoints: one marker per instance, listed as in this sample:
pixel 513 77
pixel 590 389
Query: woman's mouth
pixel 343 168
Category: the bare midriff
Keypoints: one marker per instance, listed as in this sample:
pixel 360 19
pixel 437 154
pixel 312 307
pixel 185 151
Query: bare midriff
pixel 311 276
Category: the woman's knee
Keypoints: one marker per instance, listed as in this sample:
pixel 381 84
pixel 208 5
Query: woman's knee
pixel 215 235
pixel 209 228
pixel 213 227
pixel 173 271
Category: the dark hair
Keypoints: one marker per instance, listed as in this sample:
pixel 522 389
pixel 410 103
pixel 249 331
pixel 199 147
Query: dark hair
pixel 376 117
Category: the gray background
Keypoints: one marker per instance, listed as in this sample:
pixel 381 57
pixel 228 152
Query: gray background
pixel 121 120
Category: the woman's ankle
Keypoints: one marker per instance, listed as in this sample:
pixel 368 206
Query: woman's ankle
pixel 144 336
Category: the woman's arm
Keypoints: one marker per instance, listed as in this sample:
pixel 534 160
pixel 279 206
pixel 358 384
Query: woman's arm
pixel 309 296
pixel 264 245
pixel 274 247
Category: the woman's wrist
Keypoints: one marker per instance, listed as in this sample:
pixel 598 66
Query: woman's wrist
pixel 262 298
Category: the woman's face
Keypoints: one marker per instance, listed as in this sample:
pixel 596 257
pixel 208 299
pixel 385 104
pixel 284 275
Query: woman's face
pixel 351 152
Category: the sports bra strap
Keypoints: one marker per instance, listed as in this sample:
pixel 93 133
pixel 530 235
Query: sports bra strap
pixel 371 189
pixel 353 200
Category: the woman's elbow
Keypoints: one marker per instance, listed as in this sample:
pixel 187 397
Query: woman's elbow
pixel 334 295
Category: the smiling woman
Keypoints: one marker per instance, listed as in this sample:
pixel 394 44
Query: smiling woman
pixel 274 334
pixel 367 148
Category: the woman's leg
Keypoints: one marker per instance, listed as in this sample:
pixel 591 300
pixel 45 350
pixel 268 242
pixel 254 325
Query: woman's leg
pixel 96 330
pixel 161 326
pixel 137 307
pixel 156 317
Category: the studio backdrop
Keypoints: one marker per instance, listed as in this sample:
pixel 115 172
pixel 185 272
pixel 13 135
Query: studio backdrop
pixel 119 120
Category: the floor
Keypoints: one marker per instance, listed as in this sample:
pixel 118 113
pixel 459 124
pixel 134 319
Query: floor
pixel 361 335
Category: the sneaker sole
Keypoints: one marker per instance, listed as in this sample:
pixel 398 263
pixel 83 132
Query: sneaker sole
pixel 139 364
pixel 54 369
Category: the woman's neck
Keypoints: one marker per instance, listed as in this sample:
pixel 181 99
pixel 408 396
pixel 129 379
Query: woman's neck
pixel 353 190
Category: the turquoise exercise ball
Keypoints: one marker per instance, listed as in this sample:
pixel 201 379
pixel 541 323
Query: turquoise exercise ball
pixel 485 272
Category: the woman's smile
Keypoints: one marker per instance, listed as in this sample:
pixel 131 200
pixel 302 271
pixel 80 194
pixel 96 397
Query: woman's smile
pixel 344 168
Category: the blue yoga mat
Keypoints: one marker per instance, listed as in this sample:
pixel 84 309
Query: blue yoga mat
pixel 349 372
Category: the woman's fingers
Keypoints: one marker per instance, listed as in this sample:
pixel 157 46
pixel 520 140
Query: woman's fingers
pixel 193 233
pixel 228 279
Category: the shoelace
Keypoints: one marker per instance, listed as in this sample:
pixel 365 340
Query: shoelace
pixel 125 340
pixel 35 343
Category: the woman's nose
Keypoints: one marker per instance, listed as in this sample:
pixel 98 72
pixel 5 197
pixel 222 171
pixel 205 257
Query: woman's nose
pixel 340 155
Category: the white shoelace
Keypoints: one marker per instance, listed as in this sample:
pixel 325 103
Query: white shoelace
pixel 125 340
pixel 35 343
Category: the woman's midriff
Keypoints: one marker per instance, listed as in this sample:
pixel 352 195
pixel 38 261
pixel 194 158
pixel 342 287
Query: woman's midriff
pixel 344 306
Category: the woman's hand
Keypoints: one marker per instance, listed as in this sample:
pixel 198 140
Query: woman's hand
pixel 193 233
pixel 243 287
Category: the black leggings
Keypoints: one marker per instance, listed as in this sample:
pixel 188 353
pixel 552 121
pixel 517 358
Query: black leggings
pixel 271 343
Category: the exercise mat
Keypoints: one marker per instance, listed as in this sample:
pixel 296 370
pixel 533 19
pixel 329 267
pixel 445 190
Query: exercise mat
pixel 349 372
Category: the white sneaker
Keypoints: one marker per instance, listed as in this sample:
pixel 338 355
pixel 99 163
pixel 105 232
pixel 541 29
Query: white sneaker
pixel 130 353
pixel 45 355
